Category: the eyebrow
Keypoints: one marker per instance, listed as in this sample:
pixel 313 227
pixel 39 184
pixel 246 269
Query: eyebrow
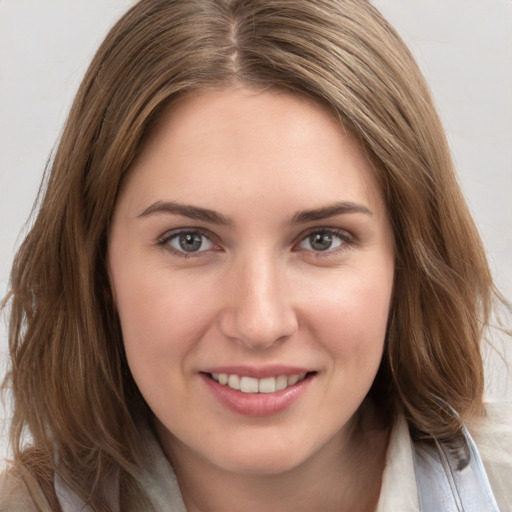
pixel 207 215
pixel 185 210
pixel 325 212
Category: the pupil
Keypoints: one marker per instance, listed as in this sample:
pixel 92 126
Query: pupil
pixel 321 241
pixel 190 242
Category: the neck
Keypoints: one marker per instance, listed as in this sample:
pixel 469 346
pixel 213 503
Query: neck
pixel 344 475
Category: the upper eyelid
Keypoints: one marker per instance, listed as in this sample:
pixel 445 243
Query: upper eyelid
pixel 171 233
pixel 343 233
pixel 164 240
pixel 350 241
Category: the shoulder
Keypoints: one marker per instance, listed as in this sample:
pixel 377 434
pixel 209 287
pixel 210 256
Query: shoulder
pixel 493 436
pixel 15 495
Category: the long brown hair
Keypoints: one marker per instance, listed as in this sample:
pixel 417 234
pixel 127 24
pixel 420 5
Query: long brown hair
pixel 70 381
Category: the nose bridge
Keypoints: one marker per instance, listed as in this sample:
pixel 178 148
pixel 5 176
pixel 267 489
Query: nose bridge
pixel 260 312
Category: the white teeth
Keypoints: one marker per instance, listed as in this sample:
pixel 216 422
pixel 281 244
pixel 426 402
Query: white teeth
pixel 267 385
pixel 248 385
pixel 281 382
pixel 252 385
pixel 293 379
pixel 234 381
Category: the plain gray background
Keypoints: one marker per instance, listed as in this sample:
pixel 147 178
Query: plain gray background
pixel 463 46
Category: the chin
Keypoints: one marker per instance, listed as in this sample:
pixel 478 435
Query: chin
pixel 261 457
pixel 263 464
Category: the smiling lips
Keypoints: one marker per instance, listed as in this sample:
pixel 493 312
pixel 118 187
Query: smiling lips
pixel 257 393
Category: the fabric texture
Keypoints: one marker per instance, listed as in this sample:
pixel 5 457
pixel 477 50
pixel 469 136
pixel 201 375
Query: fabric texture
pixel 493 437
pixel 399 492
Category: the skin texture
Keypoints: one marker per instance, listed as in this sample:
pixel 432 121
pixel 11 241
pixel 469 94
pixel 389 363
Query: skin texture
pixel 256 293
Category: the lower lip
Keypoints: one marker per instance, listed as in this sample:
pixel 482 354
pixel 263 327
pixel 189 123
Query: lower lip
pixel 257 404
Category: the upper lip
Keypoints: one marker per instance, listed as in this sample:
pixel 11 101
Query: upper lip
pixel 258 372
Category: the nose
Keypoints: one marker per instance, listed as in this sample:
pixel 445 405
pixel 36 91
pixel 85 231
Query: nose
pixel 259 311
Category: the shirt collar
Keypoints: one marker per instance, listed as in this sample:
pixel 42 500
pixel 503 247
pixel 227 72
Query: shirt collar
pixel 399 490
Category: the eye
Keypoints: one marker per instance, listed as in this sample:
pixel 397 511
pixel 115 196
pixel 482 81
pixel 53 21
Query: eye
pixel 187 242
pixel 323 240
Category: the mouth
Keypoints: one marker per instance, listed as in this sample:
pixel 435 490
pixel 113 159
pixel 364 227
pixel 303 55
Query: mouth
pixel 258 392
pixel 247 384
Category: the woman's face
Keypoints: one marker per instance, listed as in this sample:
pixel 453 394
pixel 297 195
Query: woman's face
pixel 251 244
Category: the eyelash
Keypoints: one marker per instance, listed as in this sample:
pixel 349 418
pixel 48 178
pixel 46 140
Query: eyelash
pixel 165 239
pixel 347 241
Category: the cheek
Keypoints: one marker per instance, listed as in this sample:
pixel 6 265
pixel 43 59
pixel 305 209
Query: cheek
pixel 350 315
pixel 161 317
pixel 162 324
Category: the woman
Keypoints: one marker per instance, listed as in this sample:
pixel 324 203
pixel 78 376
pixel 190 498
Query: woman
pixel 252 282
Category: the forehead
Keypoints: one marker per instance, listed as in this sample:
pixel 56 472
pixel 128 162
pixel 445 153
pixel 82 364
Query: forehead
pixel 247 142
